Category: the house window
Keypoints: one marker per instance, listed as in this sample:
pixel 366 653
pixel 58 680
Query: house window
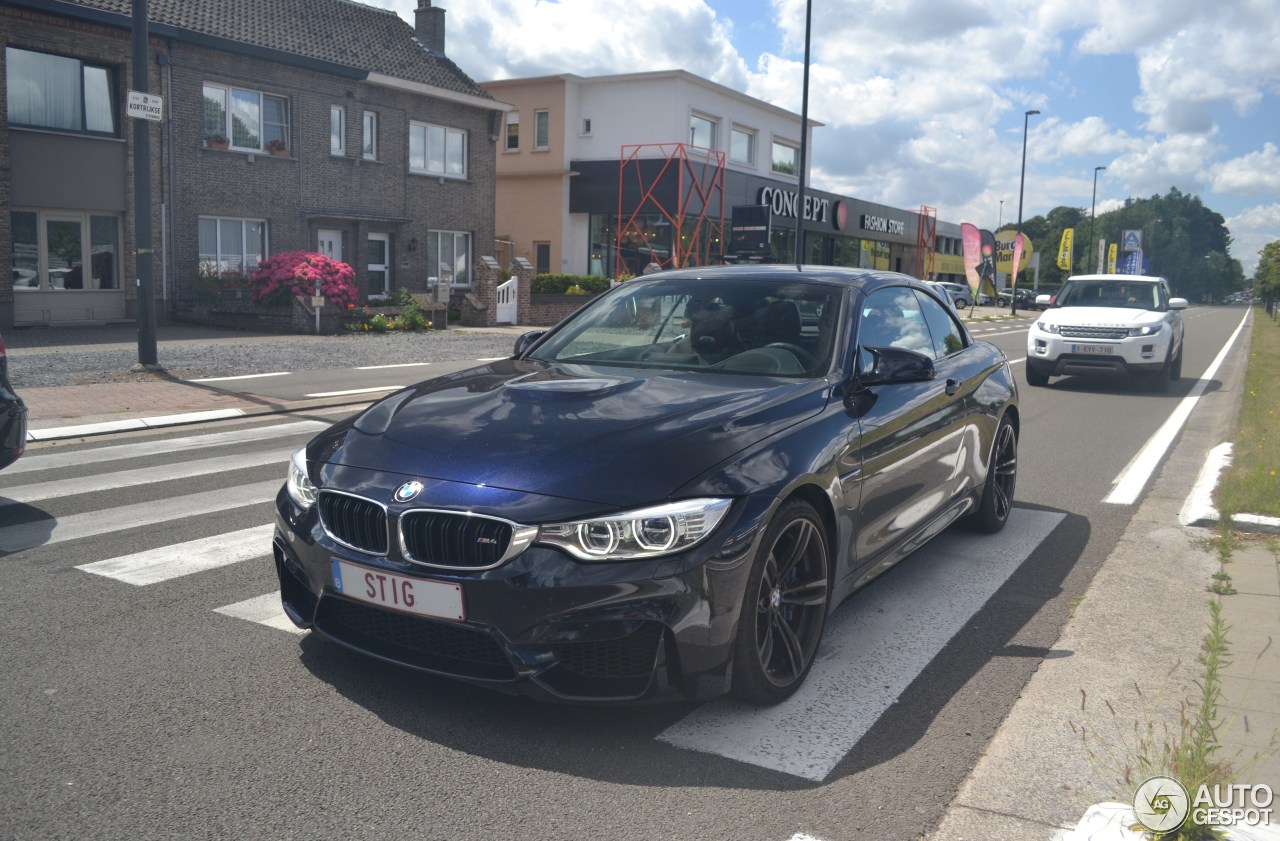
pixel 702 132
pixel 542 257
pixel 55 92
pixel 337 130
pixel 449 257
pixel 513 131
pixel 542 129
pixel 742 145
pixel 49 249
pixel 436 150
pixel 236 245
pixel 250 119
pixel 586 125
pixel 369 136
pixel 786 158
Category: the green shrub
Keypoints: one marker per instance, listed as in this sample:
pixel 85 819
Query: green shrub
pixel 558 284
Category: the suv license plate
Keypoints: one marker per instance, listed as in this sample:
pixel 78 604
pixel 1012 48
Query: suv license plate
pixel 1105 350
pixel 417 596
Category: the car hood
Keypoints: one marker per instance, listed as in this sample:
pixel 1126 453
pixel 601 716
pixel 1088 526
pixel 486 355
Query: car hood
pixel 606 435
pixel 1100 316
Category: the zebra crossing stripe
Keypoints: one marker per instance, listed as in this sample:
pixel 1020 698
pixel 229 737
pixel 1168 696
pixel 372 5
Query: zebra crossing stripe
pixel 166 562
pixel 264 610
pixel 92 523
pixel 52 461
pixel 128 478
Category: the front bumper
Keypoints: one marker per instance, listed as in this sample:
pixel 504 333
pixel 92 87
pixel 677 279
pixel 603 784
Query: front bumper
pixel 1054 355
pixel 542 624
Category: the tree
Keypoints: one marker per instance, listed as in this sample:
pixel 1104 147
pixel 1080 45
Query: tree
pixel 1266 278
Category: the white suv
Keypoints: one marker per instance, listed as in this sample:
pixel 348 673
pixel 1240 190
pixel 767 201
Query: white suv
pixel 1109 324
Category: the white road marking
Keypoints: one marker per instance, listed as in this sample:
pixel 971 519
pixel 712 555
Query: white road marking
pixel 265 610
pixel 397 365
pixel 241 377
pixel 1198 508
pixel 1128 486
pixel 875 646
pixel 491 358
pixel 166 562
pixel 54 460
pixel 93 523
pixel 355 391
pixel 142 476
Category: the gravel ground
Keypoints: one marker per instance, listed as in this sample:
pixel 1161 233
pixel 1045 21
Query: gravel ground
pixel 194 359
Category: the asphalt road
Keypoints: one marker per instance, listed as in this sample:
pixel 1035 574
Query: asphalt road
pixel 175 705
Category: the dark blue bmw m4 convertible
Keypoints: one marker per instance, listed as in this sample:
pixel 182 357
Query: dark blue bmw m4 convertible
pixel 663 497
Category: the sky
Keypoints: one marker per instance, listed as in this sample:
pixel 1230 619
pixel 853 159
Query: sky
pixel 920 100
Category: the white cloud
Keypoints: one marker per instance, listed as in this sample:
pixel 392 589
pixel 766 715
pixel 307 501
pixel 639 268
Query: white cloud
pixel 1257 173
pixel 1252 229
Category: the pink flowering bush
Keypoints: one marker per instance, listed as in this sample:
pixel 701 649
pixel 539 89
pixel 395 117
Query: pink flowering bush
pixel 294 273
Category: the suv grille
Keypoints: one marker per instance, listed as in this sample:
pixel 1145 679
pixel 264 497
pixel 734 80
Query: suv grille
pixel 1094 332
pixel 355 522
pixel 438 538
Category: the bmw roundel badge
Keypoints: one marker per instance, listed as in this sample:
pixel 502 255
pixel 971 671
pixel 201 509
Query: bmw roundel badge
pixel 408 491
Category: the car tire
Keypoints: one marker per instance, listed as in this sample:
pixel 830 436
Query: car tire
pixel 962 304
pixel 1035 378
pixel 1160 379
pixel 1002 478
pixel 1175 373
pixel 784 608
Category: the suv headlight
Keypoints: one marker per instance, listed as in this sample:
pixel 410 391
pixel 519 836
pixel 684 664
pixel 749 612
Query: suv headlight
pixel 1146 329
pixel 1048 328
pixel 298 482
pixel 643 533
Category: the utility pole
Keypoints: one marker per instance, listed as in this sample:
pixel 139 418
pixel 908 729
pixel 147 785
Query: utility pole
pixel 804 138
pixel 1093 207
pixel 1013 295
pixel 142 195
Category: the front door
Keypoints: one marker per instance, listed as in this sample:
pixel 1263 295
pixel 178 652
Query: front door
pixel 379 264
pixel 330 244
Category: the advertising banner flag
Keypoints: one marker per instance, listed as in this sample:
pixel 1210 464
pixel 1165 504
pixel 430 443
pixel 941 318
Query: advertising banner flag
pixel 971 243
pixel 1111 257
pixel 1064 248
pixel 1102 253
pixel 1017 259
pixel 1132 263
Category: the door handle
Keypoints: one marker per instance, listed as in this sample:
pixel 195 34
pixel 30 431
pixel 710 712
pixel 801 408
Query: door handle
pixel 952 387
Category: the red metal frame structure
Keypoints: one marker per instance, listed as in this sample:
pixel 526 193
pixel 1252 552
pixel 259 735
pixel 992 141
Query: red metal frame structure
pixel 697 220
pixel 926 242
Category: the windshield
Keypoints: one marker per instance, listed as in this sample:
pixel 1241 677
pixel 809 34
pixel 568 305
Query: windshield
pixel 1137 295
pixel 729 326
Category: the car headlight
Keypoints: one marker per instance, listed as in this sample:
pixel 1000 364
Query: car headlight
pixel 1048 328
pixel 643 533
pixel 299 483
pixel 1146 330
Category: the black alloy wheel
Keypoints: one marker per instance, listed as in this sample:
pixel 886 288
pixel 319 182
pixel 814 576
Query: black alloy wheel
pixel 785 607
pixel 1002 477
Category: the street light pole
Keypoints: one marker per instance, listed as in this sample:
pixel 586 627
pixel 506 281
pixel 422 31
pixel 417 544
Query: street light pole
pixel 1092 209
pixel 804 138
pixel 1013 294
pixel 1000 218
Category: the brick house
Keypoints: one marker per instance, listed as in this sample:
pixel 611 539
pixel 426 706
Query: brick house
pixel 289 124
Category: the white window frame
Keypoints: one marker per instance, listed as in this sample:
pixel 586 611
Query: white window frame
pixel 453 238
pixel 444 133
pixel 338 145
pixel 751 136
pixel 784 144
pixel 713 125
pixel 228 95
pixel 243 267
pixel 369 136
pixel 541 126
pixel 511 139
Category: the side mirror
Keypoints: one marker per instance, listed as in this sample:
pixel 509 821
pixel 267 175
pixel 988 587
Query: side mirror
pixel 1177 303
pixel 897 365
pixel 1043 300
pixel 527 340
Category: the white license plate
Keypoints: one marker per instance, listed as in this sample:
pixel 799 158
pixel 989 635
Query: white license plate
pixel 1105 350
pixel 419 596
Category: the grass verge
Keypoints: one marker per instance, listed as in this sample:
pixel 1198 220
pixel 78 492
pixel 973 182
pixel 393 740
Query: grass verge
pixel 1251 485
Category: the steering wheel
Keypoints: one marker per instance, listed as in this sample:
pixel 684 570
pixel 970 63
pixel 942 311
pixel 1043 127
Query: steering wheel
pixel 805 358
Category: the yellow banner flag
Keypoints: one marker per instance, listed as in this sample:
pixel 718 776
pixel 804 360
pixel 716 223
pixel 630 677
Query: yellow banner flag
pixel 1064 249
pixel 1111 258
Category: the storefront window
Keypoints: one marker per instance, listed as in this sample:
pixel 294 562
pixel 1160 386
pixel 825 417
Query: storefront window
pixel 26 250
pixel 104 243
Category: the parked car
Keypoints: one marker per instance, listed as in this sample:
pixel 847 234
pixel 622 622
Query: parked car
pixel 959 293
pixel 1026 299
pixel 13 416
pixel 663 497
pixel 1109 325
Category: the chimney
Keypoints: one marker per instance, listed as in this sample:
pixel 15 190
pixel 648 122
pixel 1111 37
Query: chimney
pixel 429 26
